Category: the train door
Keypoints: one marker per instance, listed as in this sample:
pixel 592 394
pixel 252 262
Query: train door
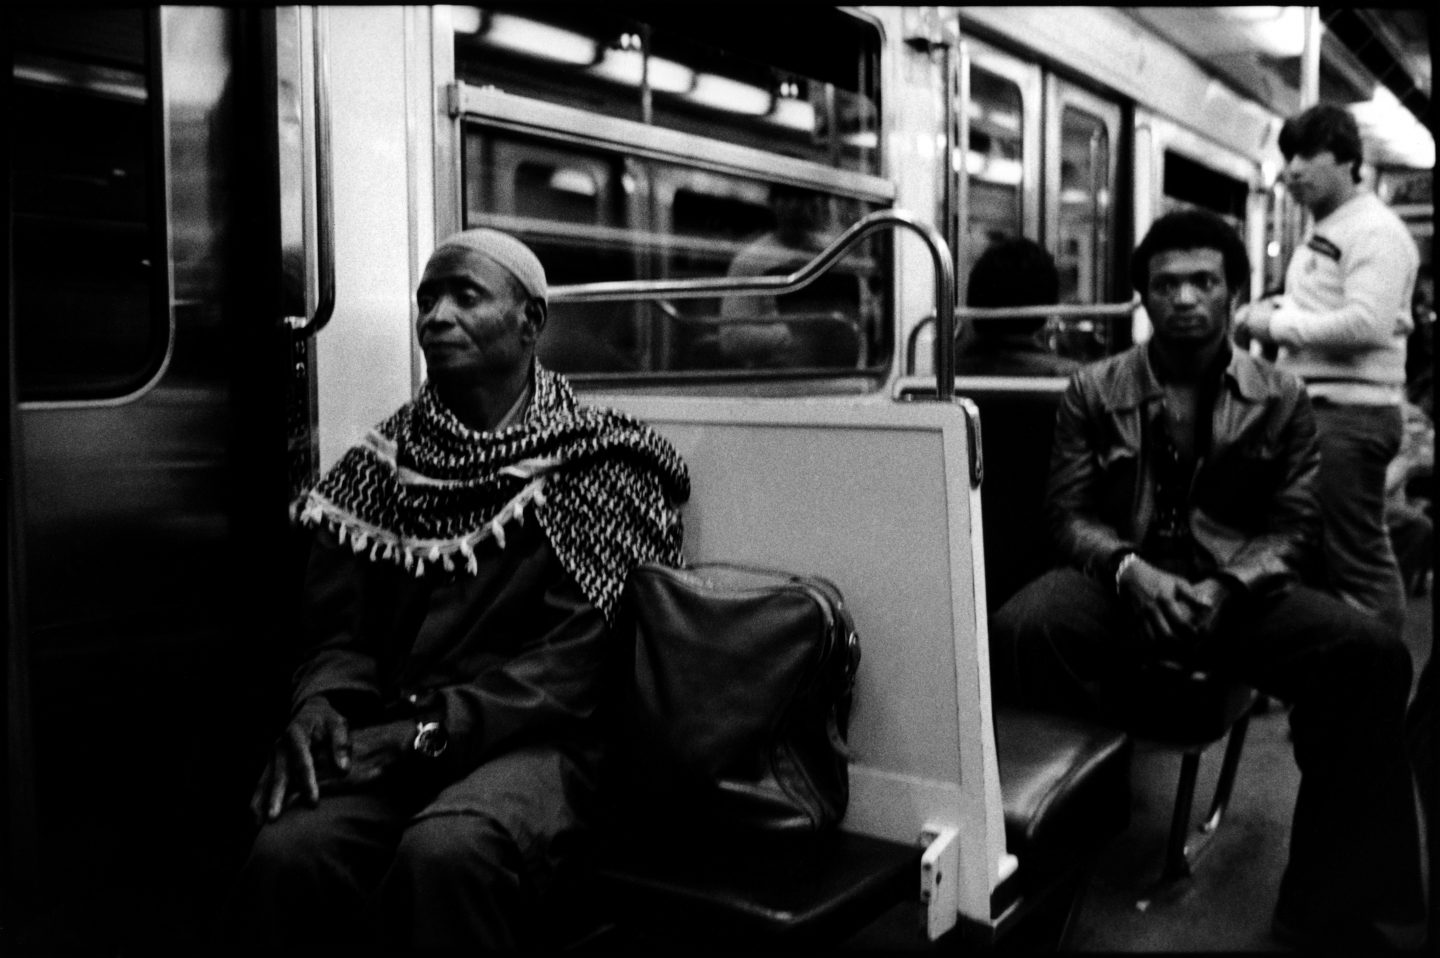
pixel 148 466
pixel 1042 162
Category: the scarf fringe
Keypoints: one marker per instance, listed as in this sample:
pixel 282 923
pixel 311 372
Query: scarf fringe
pixel 621 480
pixel 413 554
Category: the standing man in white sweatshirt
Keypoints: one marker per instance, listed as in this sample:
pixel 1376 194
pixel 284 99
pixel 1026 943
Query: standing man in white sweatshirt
pixel 1341 326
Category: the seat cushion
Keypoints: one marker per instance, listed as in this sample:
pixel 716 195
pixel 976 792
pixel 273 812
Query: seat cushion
pixel 816 889
pixel 1064 785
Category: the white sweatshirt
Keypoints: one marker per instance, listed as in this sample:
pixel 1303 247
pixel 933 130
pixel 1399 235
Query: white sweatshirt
pixel 1345 315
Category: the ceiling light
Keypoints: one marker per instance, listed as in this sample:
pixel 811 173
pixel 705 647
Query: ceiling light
pixel 796 114
pixel 539 40
pixel 723 93
pixel 1278 31
pixel 627 66
pixel 568 180
pixel 994 169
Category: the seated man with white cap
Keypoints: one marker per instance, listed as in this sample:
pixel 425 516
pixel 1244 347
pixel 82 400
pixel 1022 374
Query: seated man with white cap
pixel 441 755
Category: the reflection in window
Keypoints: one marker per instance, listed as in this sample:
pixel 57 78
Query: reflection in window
pixel 594 215
pixel 774 230
pixel 994 164
pixel 550 192
pixel 1082 245
pixel 81 195
pixel 571 206
pixel 1084 238
pixel 702 71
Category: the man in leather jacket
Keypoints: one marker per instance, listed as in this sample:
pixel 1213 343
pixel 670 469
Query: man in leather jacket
pixel 1182 506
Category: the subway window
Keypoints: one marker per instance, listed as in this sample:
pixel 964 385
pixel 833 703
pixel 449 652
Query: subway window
pixel 663 157
pixel 994 165
pixel 1188 183
pixel 1083 243
pixel 90 316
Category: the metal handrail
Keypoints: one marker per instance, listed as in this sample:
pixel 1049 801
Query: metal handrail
pixel 1065 311
pixel 324 187
pixel 804 276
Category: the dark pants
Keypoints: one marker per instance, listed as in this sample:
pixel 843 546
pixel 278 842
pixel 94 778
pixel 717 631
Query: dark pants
pixel 397 870
pixel 1355 871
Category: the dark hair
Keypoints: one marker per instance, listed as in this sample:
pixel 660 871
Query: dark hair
pixel 1013 272
pixel 1323 127
pixel 1191 229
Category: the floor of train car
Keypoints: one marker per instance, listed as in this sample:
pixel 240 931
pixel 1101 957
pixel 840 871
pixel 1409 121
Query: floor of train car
pixel 1227 905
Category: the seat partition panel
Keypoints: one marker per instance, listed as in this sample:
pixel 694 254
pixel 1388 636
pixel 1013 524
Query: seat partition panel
pixel 875 496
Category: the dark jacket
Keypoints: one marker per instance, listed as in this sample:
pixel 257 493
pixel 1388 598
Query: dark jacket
pixel 1253 505
pixel 506 658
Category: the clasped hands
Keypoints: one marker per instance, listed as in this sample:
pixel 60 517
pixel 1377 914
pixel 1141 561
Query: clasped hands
pixel 318 753
pixel 1170 608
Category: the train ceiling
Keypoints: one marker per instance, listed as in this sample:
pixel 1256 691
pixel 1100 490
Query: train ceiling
pixel 1375 60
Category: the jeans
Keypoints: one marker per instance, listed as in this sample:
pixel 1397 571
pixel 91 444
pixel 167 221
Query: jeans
pixel 1354 872
pixel 1356 444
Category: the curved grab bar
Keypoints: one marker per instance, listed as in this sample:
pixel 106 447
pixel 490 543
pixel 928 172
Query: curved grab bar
pixel 324 207
pixel 804 276
pixel 1066 311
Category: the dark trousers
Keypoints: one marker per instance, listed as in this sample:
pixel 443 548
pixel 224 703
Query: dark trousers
pixel 1355 872
pixel 396 870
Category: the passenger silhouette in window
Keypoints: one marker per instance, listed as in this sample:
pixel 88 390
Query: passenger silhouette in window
pixel 1013 271
pixel 774 331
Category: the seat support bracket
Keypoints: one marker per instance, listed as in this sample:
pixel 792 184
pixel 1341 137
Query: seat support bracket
pixel 940 878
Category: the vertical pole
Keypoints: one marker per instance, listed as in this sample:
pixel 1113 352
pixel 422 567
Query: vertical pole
pixel 1310 59
pixel 1309 96
pixel 961 119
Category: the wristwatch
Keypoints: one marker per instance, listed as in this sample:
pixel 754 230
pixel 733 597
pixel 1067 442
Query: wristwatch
pixel 430 740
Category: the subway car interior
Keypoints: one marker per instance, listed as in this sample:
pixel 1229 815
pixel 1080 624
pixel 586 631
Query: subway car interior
pixel 758 228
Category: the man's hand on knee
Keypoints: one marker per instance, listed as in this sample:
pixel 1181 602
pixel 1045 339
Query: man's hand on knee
pixel 316 731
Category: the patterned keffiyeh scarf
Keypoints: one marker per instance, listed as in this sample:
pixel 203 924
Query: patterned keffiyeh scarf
pixel 423 490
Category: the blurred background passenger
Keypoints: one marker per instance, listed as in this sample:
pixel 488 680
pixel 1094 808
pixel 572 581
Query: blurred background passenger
pixel 1011 272
pixel 1342 327
pixel 1420 347
pixel 1410 477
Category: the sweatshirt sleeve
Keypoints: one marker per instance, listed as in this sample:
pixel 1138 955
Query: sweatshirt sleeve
pixel 1373 267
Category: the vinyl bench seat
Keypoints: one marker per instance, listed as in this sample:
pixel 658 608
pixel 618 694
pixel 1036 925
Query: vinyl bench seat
pixel 1065 788
pixel 807 891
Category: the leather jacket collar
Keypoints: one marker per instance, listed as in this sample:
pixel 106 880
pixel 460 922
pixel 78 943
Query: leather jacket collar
pixel 1140 383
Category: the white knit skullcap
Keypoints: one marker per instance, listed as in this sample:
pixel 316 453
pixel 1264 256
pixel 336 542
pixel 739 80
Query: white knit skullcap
pixel 505 251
